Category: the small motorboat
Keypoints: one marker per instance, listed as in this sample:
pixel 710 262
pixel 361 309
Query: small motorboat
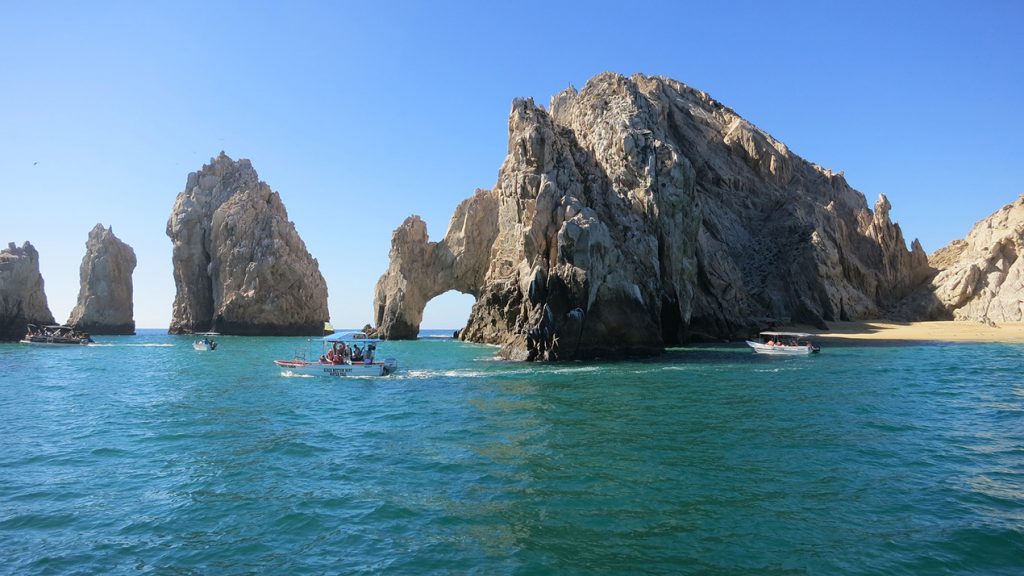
pixel 346 354
pixel 784 344
pixel 56 335
pixel 207 343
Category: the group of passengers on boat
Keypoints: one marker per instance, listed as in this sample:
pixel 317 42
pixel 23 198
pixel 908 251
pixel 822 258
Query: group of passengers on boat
pixel 342 353
pixel 781 342
pixel 56 335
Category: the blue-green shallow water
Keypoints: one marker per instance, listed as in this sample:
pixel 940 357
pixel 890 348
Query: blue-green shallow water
pixel 145 456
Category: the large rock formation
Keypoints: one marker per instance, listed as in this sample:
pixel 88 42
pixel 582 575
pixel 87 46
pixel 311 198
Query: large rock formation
pixel 981 277
pixel 22 299
pixel 240 267
pixel 640 213
pixel 105 297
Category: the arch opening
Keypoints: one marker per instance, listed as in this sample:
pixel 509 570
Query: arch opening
pixel 447 312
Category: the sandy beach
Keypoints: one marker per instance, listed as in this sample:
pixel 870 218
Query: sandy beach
pixel 911 332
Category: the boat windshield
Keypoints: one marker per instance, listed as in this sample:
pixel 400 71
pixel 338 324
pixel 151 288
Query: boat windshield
pixel 786 338
pixel 350 337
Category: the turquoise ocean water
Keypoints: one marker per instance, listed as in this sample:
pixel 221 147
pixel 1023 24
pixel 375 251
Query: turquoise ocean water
pixel 144 456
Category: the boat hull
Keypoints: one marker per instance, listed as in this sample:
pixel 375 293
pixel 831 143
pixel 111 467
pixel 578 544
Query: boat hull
pixel 778 350
pixel 384 368
pixel 56 342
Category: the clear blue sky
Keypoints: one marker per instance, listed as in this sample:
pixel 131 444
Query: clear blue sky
pixel 360 114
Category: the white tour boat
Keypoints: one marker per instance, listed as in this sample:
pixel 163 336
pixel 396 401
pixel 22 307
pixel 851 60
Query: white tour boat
pixel 784 344
pixel 207 343
pixel 55 335
pixel 346 354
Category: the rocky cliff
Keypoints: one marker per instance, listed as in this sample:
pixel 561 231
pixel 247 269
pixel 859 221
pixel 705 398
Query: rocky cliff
pixel 639 213
pixel 105 303
pixel 240 267
pixel 981 277
pixel 22 299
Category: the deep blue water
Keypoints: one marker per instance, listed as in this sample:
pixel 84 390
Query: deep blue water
pixel 145 456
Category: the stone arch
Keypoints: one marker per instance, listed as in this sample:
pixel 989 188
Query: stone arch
pixel 421 270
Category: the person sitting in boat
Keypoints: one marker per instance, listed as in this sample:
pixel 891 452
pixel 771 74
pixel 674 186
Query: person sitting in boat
pixel 357 353
pixel 334 354
pixel 370 349
pixel 346 353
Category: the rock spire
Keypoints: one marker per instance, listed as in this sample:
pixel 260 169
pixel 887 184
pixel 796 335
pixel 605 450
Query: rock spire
pixel 240 266
pixel 105 303
pixel 22 298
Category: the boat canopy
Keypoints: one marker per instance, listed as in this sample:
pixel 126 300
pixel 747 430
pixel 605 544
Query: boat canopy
pixel 788 334
pixel 349 337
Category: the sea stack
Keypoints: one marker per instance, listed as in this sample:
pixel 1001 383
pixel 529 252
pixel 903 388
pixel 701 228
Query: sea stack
pixel 981 278
pixel 640 213
pixel 105 297
pixel 22 298
pixel 240 267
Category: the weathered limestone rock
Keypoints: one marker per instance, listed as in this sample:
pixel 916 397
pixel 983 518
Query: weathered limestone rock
pixel 105 303
pixel 641 213
pixel 22 298
pixel 421 270
pixel 981 277
pixel 240 267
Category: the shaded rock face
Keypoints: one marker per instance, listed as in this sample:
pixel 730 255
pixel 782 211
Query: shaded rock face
pixel 981 277
pixel 641 213
pixel 105 297
pixel 240 267
pixel 22 298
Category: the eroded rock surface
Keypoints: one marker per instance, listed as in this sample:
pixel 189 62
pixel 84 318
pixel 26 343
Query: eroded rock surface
pixel 105 304
pixel 240 266
pixel 981 277
pixel 640 213
pixel 22 297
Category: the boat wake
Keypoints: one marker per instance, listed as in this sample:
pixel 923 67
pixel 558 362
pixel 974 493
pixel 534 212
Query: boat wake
pixel 290 374
pixel 111 345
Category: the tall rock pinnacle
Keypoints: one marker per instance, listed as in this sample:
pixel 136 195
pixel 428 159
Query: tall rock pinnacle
pixel 240 267
pixel 22 298
pixel 105 297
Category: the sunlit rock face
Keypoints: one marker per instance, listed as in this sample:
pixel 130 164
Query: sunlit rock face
pixel 639 213
pixel 981 277
pixel 22 298
pixel 240 267
pixel 105 303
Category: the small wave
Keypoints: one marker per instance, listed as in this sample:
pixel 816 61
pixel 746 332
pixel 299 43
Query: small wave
pixel 575 370
pixel 290 374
